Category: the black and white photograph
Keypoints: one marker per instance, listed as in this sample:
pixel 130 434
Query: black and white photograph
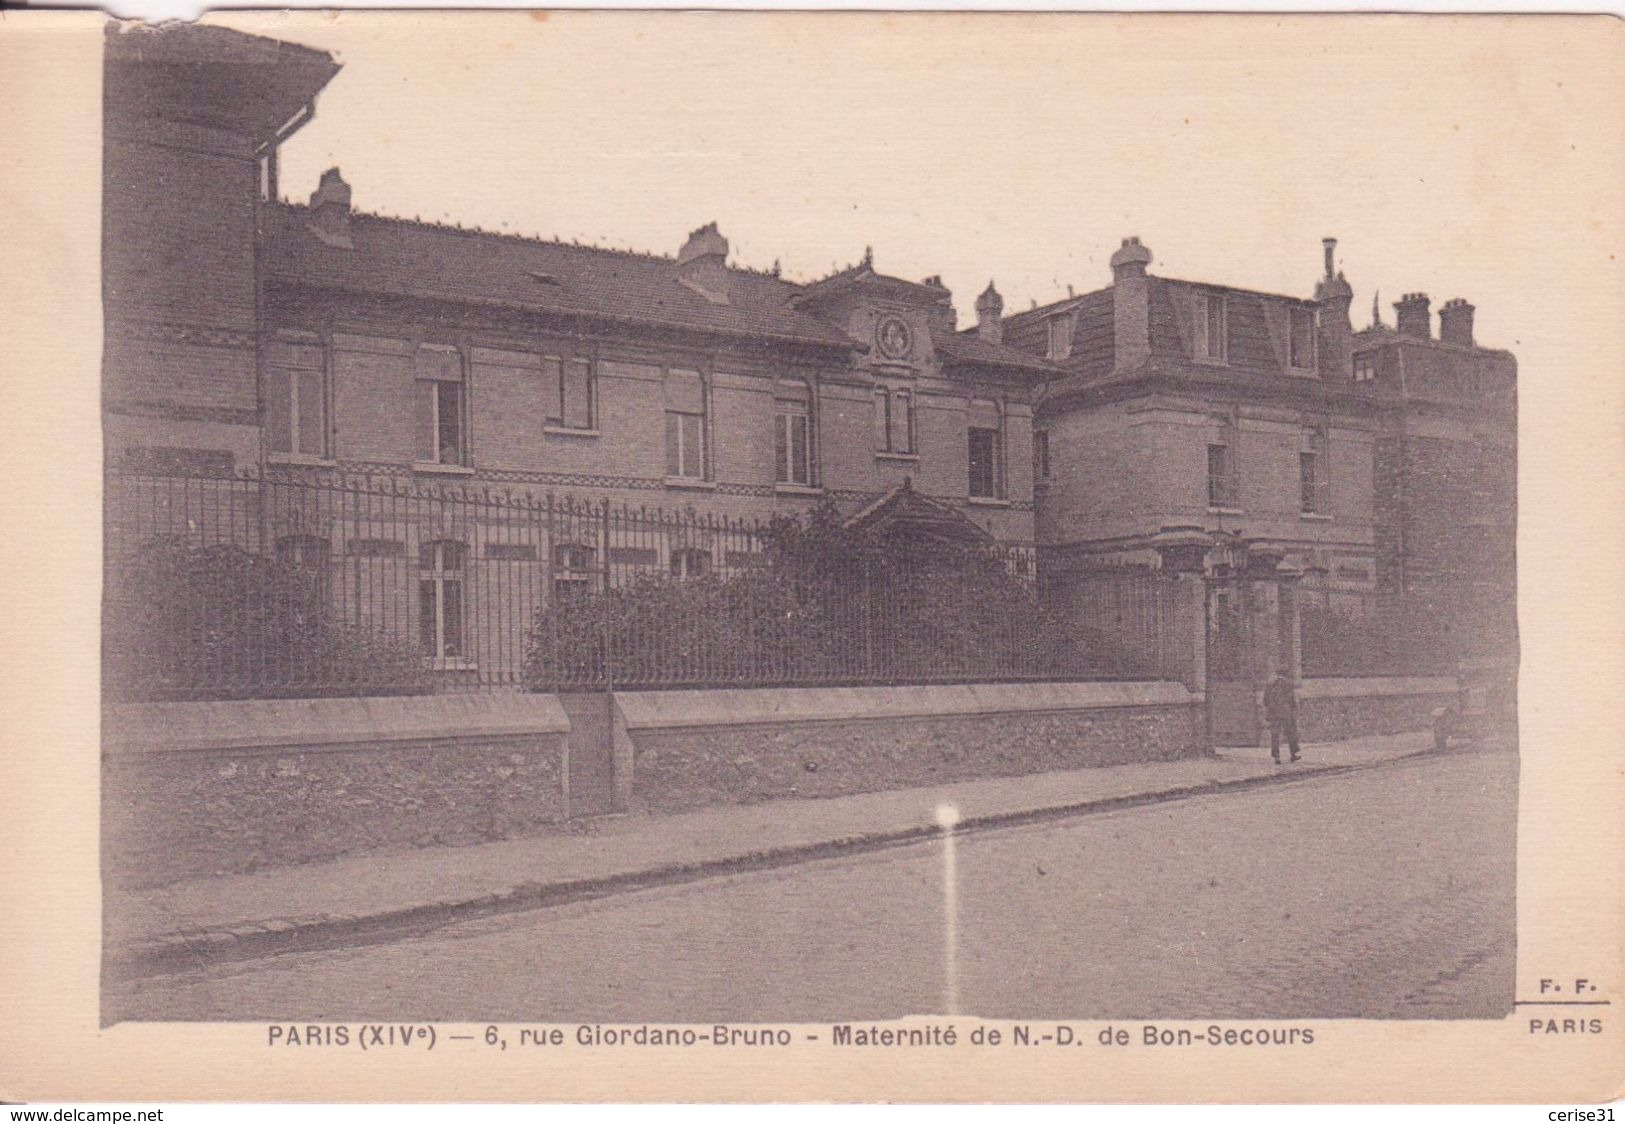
pixel 831 531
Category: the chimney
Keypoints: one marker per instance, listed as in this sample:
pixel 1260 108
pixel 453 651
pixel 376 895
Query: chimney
pixel 1411 316
pixel 1456 322
pixel 702 263
pixel 1131 304
pixel 942 311
pixel 989 307
pixel 1335 297
pixel 330 210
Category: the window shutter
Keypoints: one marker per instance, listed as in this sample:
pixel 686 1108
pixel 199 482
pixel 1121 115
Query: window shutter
pixel 902 422
pixel 312 439
pixel 781 447
pixel 428 441
pixel 577 393
pixel 674 436
pixel 553 389
pixel 279 408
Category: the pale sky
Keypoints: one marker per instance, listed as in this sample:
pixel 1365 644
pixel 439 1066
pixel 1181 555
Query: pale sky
pixel 1014 148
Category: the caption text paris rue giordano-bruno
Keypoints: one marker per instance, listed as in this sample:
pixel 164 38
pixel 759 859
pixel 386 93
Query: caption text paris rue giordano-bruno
pixel 926 1035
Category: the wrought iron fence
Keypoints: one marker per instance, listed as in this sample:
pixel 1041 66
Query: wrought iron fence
pixel 310 582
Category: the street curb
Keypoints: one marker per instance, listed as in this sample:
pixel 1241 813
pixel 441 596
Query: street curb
pixel 199 948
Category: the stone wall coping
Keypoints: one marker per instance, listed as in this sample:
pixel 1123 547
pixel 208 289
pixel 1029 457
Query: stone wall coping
pixel 1363 688
pixel 668 709
pixel 305 723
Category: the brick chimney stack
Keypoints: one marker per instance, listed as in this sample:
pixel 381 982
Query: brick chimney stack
pixel 1456 322
pixel 1335 297
pixel 330 210
pixel 1412 317
pixel 702 263
pixel 989 309
pixel 1131 304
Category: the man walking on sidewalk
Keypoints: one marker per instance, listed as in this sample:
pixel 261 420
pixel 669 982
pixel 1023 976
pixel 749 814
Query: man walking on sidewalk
pixel 1281 711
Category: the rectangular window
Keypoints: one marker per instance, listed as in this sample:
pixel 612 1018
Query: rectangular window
pixel 986 449
pixel 568 389
pixel 1365 368
pixel 1060 337
pixel 690 562
pixel 440 600
pixel 296 399
pixel 984 463
pixel 793 441
pixel 440 406
pixel 575 572
pixel 1223 487
pixel 1212 326
pixel 685 425
pixel 1313 475
pixel 1041 454
pixel 1303 338
pixel 894 420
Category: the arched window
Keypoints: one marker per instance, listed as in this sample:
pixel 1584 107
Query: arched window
pixel 441 606
pixel 690 562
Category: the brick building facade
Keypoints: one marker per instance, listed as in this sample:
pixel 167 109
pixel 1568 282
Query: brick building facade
pixel 245 331
pixel 1237 432
pixel 1156 423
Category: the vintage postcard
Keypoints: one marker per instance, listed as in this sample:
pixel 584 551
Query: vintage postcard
pixel 641 556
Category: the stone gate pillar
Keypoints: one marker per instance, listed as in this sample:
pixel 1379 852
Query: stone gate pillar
pixel 1183 551
pixel 1273 606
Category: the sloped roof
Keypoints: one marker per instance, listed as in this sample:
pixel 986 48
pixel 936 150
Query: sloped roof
pixel 966 347
pixel 864 274
pixel 404 258
pixel 1054 308
pixel 905 511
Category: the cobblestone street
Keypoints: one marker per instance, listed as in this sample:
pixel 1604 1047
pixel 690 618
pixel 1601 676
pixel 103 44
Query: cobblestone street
pixel 1386 892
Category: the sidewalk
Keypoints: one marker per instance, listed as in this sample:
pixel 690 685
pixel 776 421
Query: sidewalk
pixel 378 894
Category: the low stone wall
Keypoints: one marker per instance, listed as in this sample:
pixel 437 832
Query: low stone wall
pixel 1331 709
pixel 688 749
pixel 192 789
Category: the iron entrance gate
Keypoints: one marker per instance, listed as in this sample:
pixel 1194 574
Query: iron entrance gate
pixel 1232 700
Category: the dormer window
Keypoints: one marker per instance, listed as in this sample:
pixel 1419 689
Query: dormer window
pixel 1060 337
pixel 1211 326
pixel 1365 367
pixel 1302 343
